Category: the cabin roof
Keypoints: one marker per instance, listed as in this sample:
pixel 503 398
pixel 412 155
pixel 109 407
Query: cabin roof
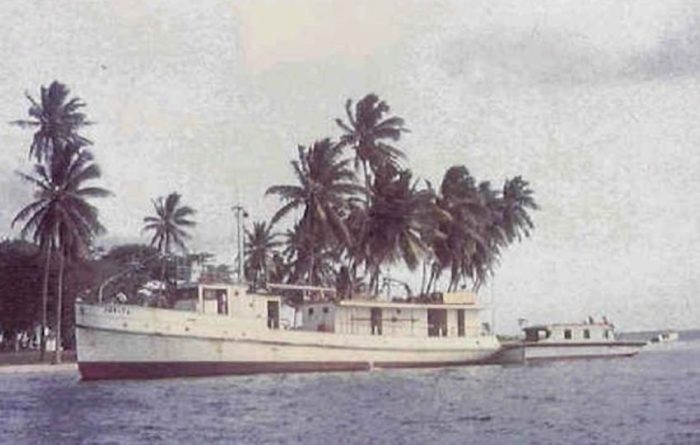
pixel 566 325
pixel 406 305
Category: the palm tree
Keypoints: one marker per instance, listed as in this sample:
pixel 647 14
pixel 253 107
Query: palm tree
pixel 464 242
pixel 325 187
pixel 260 248
pixel 517 199
pixel 57 120
pixel 508 220
pixel 367 131
pixel 61 219
pixel 168 226
pixel 482 221
pixel 305 259
pixel 398 214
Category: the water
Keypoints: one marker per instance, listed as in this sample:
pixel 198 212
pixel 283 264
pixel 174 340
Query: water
pixel 653 398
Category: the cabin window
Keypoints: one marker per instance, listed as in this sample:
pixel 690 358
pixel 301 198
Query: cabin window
pixel 218 296
pixel 222 304
pixel 325 310
pixel 460 323
pixel 311 311
pixel 273 314
pixel 567 334
pixel 376 321
pixel 437 323
pixel 606 333
pixel 587 333
pixel 532 335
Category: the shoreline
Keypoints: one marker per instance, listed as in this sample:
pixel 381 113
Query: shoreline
pixel 25 358
pixel 38 368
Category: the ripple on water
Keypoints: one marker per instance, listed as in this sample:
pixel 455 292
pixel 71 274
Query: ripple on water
pixel 650 399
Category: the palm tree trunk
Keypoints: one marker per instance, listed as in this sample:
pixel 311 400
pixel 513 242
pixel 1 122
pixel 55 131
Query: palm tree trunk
pixel 312 264
pixel 367 182
pixel 312 252
pixel 433 275
pixel 374 281
pixel 44 303
pixel 161 291
pixel 353 279
pixel 59 307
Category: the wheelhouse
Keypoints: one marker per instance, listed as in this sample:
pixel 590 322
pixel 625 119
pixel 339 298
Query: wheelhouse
pixel 307 308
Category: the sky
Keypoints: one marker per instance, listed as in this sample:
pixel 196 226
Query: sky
pixel 594 103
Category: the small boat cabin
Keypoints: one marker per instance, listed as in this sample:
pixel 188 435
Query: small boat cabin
pixel 573 332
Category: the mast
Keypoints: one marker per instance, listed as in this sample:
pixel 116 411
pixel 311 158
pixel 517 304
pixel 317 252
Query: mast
pixel 240 214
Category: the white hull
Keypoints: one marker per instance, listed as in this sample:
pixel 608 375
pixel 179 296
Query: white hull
pixel 527 352
pixel 665 337
pixel 133 342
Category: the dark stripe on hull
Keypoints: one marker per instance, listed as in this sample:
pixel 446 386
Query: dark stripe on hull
pixel 157 370
pixel 578 357
pixel 397 365
pixel 615 344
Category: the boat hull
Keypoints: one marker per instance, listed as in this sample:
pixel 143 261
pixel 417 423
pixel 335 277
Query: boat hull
pixel 133 342
pixel 525 352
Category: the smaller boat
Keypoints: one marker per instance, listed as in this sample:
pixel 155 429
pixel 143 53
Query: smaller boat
pixel 664 337
pixel 568 341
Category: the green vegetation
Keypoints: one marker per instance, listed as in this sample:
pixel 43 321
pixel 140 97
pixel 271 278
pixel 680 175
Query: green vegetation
pixel 168 227
pixel 350 229
pixel 354 209
pixel 60 219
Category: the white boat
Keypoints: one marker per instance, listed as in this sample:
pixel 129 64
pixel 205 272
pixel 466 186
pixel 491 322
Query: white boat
pixel 665 337
pixel 224 329
pixel 568 341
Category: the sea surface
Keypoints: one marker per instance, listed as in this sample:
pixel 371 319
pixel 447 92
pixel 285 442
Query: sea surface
pixel 653 398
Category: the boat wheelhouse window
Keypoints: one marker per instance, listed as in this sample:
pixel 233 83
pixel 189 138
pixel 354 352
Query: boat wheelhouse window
pixel 460 323
pixel 586 333
pixel 273 314
pixel 606 333
pixel 222 304
pixel 532 335
pixel 218 295
pixel 567 334
pixel 437 323
pixel 376 321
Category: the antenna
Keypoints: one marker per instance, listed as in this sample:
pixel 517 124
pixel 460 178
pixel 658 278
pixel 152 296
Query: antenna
pixel 240 214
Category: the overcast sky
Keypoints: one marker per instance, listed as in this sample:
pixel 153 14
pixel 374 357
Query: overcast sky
pixel 595 103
